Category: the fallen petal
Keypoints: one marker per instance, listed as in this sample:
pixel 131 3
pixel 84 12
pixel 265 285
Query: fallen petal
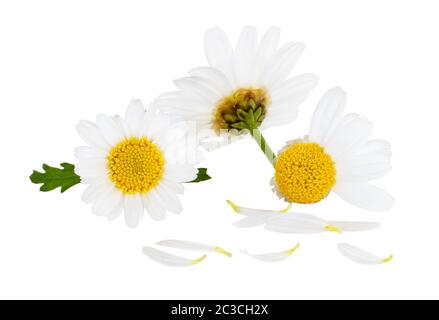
pixel 170 259
pixel 298 223
pixel 193 246
pixel 361 256
pixel 352 226
pixel 274 256
pixel 249 222
pixel 251 211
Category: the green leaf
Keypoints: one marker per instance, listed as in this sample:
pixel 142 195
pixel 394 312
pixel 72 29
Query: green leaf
pixel 201 176
pixel 53 178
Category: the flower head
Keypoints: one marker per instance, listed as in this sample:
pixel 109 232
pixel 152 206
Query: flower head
pixel 245 87
pixel 130 165
pixel 338 156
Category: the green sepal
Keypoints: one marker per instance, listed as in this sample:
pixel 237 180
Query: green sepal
pixel 53 178
pixel 201 176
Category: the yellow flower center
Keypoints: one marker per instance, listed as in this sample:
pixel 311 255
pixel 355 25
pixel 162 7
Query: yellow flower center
pixel 135 165
pixel 244 108
pixel 304 173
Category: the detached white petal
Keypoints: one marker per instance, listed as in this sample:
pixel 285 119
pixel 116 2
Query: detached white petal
pixel 254 217
pixel 251 221
pixel 352 226
pixel 360 256
pixel 193 246
pixel 170 259
pixel 251 211
pixel 299 223
pixel 274 256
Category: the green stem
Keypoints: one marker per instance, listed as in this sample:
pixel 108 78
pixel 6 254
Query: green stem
pixel 262 143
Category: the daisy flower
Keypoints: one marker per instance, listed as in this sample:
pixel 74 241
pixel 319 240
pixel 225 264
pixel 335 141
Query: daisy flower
pixel 128 165
pixel 336 155
pixel 243 88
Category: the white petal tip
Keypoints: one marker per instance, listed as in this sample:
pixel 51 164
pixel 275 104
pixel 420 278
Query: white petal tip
pixel 354 226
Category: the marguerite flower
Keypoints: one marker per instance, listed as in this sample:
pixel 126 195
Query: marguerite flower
pixel 130 165
pixel 336 155
pixel 242 88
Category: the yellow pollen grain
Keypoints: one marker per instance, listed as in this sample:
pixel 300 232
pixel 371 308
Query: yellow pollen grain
pixel 135 165
pixel 304 173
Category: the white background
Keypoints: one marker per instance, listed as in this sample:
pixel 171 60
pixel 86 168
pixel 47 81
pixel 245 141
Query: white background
pixel 61 61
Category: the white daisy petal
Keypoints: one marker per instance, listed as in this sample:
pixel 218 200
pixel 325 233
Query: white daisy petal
pixel 91 169
pixel 175 186
pixel 267 48
pixel 123 126
pixel 219 51
pixel 215 78
pixel 269 43
pixel 363 173
pixel 327 114
pixel 133 209
pixel 276 118
pixel 169 199
pixel 107 202
pixel 92 192
pixel 299 85
pixel 193 246
pixel 245 54
pixel 170 259
pixel 374 147
pixel 354 226
pixel 298 223
pixel 180 172
pixel 192 86
pixel 178 103
pixel 91 135
pixel 283 63
pixel 361 256
pixel 352 133
pixel 83 153
pixel 110 129
pixel 253 212
pixel 274 256
pixel 117 210
pixel 153 206
pixel 364 195
pixel 251 221
pixel 365 159
pixel 134 115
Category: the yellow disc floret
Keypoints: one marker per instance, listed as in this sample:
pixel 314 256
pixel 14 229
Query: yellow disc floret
pixel 304 173
pixel 135 165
